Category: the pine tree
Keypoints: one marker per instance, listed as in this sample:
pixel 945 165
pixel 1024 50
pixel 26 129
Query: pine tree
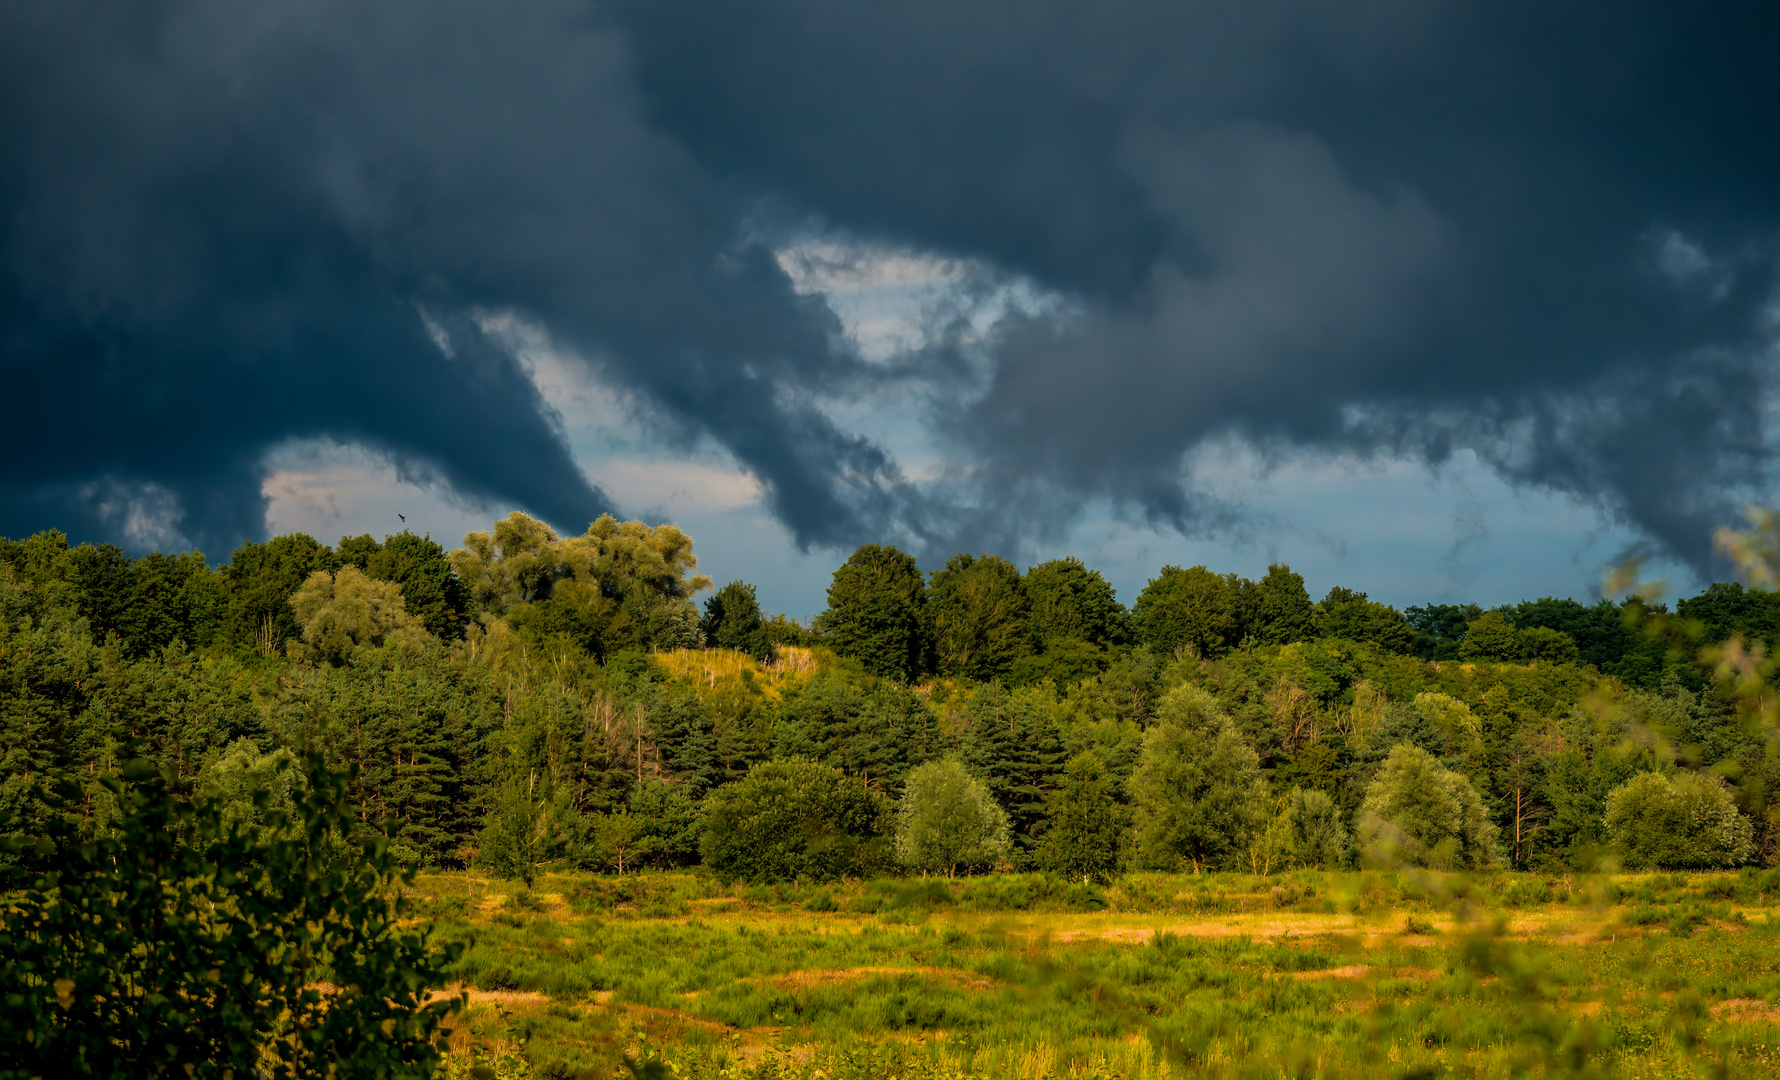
pixel 1013 744
pixel 1084 823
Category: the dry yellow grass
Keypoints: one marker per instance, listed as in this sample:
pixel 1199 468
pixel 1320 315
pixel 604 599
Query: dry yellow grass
pixel 789 667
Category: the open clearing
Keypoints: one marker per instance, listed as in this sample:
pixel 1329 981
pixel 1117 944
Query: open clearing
pixel 1301 975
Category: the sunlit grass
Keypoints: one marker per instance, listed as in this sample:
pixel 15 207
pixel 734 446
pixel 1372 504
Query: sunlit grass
pixel 1023 976
pixel 728 669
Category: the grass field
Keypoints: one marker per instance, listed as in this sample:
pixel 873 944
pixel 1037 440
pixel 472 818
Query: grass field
pixel 1021 976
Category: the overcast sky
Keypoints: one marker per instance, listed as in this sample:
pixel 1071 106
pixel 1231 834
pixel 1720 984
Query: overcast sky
pixel 1438 300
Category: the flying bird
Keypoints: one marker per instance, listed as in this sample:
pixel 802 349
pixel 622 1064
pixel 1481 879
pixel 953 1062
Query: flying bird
pixel 404 520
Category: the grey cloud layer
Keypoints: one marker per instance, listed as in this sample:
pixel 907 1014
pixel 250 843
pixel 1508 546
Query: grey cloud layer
pixel 1547 236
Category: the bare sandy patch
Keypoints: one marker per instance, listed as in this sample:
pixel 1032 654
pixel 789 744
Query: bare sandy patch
pixel 1746 1011
pixel 503 998
pixel 829 976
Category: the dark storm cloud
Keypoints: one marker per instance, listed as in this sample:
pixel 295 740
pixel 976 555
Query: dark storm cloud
pixel 1446 219
pixel 1544 235
pixel 226 225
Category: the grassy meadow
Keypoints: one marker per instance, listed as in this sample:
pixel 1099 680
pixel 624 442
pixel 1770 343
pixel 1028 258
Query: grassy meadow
pixel 1301 975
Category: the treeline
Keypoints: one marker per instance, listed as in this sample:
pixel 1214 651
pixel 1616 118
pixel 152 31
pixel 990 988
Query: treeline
pixel 529 698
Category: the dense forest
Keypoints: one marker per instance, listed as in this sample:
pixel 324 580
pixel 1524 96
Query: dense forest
pixel 529 699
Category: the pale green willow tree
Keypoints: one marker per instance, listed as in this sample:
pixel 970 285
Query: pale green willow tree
pixel 948 821
pixel 1197 797
pixel 340 612
pixel 1308 834
pixel 622 584
pixel 1419 813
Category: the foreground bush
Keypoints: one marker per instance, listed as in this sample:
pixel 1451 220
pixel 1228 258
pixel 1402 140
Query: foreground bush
pixel 1688 823
pixel 791 821
pixel 173 944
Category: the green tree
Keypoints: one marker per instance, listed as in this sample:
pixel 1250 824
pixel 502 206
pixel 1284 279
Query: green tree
pixel 1439 629
pixel 249 789
pixel 1197 796
pixel 946 820
pixel 1491 636
pixel 874 732
pixel 1308 833
pixel 172 598
pixel 342 612
pixel 1065 663
pixel 1281 609
pixel 669 822
pixel 616 841
pixel 418 564
pixel 1598 631
pixel 978 610
pixel 1070 602
pixel 1421 814
pixel 1084 828
pixel 100 575
pixel 732 621
pixel 1188 609
pixel 876 612
pixel 262 578
pixel 1011 740
pixel 791 820
pixel 1349 615
pixel 173 943
pixel 1688 823
pixel 516 833
pixel 621 585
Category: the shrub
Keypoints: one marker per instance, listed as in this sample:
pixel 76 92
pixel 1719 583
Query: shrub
pixel 948 820
pixel 1686 823
pixel 179 942
pixel 793 820
pixel 1419 813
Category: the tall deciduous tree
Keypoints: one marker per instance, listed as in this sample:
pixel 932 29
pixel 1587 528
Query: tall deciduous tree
pixel 876 611
pixel 1070 602
pixel 341 612
pixel 1491 636
pixel 1281 611
pixel 432 592
pixel 1192 609
pixel 262 578
pixel 978 608
pixel 732 620
pixel 621 585
pixel 1345 613
pixel 791 821
pixel 1197 797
